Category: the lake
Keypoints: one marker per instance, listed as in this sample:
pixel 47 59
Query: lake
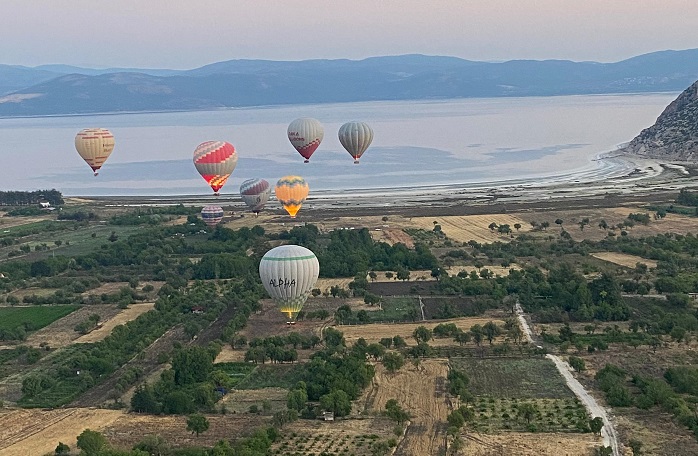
pixel 416 143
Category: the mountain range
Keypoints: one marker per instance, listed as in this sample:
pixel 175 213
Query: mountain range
pixel 69 90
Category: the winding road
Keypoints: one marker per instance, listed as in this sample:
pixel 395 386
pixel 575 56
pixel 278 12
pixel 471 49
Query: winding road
pixel 608 432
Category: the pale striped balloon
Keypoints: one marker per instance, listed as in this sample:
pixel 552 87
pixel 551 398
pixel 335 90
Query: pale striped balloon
pixel 355 137
pixel 94 146
pixel 289 273
pixel 215 161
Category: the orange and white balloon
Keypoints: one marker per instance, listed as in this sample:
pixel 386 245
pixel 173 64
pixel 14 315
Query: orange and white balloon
pixel 215 161
pixel 94 146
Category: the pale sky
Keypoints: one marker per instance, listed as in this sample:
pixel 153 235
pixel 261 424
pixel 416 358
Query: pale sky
pixel 183 34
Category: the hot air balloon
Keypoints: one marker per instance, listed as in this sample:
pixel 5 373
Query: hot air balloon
pixel 212 215
pixel 215 161
pixel 255 193
pixel 355 137
pixel 291 191
pixel 288 273
pixel 94 146
pixel 305 134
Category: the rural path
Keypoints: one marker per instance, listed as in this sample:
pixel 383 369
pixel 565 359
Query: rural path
pixel 608 432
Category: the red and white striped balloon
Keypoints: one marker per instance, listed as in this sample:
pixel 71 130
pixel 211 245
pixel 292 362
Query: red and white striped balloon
pixel 212 215
pixel 255 193
pixel 215 161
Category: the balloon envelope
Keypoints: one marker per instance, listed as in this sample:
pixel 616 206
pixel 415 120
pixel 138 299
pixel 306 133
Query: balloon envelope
pixel 289 273
pixel 355 137
pixel 215 161
pixel 94 146
pixel 291 191
pixel 255 193
pixel 212 215
pixel 305 135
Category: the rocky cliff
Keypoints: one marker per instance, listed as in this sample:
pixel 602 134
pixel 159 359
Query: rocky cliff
pixel 675 134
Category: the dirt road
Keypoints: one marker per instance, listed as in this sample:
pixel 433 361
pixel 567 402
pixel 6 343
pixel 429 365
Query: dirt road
pixel 608 433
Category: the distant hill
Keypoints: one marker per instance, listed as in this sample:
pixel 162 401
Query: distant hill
pixel 238 83
pixel 675 134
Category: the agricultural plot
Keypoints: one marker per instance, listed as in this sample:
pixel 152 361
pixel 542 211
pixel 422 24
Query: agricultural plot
pixel 530 444
pixel 547 415
pixel 61 332
pixel 420 390
pixel 622 259
pixel 514 378
pixel 375 332
pixel 471 227
pixel 242 401
pixel 36 316
pixel 339 438
pixel 37 432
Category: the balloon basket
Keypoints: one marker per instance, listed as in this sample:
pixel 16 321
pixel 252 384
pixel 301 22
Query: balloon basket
pixel 216 194
pixel 356 162
pixel 306 161
pixel 96 173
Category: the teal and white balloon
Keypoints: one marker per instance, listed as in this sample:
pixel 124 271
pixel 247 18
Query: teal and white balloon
pixel 289 273
pixel 355 138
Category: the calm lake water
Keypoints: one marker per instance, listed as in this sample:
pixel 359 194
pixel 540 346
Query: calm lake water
pixel 417 143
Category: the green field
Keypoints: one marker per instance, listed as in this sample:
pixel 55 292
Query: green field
pixel 394 309
pixel 272 376
pixel 551 415
pixel 37 317
pixel 514 378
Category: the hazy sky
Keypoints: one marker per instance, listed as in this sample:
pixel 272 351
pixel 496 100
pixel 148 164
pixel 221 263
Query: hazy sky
pixel 191 33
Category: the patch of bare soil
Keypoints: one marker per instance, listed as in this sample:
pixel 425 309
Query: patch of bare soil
pixel 25 432
pixel 421 391
pixel 623 259
pixel 523 444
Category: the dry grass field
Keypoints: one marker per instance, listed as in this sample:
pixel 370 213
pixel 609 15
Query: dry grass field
pixel 470 227
pixel 622 259
pixel 496 270
pixel 123 317
pixel 421 391
pixel 525 444
pixel 375 332
pixel 25 432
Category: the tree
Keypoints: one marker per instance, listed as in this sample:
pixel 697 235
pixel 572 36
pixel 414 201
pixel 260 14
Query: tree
pixel 492 226
pixel 297 399
pixel 91 442
pixel 403 274
pixel 455 419
pixel 153 445
pixel 527 411
pixel 61 449
pixel 545 225
pixel 113 237
pixel 196 424
pixel 422 334
pixel 373 275
pixel 636 446
pixel 336 401
pixel 559 222
pixel 596 425
pixel 491 331
pixel 395 412
pixel 192 365
pixel 393 361
pixel 577 363
pixel 517 226
pixel 478 334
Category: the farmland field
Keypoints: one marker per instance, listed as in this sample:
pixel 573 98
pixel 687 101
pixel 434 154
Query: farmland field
pixel 38 316
pixel 123 317
pixel 375 332
pixel 471 227
pixel 623 259
pixel 514 378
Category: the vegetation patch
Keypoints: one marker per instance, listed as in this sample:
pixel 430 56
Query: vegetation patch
pixel 514 378
pixel 16 322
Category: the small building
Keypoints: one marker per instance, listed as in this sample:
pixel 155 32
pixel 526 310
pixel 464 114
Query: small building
pixel 328 416
pixel 197 310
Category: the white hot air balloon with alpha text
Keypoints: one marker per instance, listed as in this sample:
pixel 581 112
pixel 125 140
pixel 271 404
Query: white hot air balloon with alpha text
pixel 289 273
